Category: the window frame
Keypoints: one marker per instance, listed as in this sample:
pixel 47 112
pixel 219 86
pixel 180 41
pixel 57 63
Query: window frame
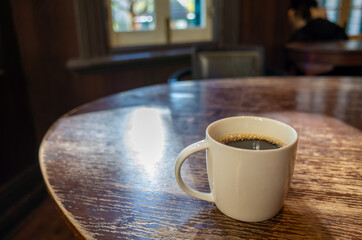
pixel 137 38
pixel 93 38
pixel 196 34
pixel 162 34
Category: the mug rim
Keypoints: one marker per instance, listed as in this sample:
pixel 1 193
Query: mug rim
pixel 252 150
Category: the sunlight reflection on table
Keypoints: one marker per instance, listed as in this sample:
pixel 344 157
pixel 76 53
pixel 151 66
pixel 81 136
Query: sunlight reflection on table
pixel 146 137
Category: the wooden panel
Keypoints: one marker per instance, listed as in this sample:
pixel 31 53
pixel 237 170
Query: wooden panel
pixel 87 87
pixel 92 33
pixel 229 23
pixel 47 39
pixel 17 137
pixel 265 23
pixel 21 184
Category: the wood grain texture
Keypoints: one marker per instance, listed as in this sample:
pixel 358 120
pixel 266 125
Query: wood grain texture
pixel 326 55
pixel 109 165
pixel 260 23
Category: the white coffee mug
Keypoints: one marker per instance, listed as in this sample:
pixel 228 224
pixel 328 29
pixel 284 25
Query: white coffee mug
pixel 248 185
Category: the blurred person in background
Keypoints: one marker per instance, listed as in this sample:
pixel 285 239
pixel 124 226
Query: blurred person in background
pixel 310 24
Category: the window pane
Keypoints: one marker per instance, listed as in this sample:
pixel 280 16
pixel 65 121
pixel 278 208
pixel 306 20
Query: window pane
pixel 330 4
pixel 186 14
pixel 332 9
pixel 356 3
pixel 332 15
pixel 354 26
pixel 133 15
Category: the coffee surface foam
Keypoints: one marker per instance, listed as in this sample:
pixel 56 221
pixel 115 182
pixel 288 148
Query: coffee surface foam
pixel 242 136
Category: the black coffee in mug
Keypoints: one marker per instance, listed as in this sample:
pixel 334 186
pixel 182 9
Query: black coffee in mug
pixel 251 141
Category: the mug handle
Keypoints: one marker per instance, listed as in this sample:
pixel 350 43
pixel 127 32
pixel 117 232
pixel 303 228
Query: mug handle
pixel 184 154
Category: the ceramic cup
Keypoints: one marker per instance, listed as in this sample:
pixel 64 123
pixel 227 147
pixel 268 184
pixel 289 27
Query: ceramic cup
pixel 248 185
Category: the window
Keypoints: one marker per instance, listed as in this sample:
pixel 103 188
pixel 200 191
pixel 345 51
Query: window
pixel 346 13
pixel 332 9
pixel 354 26
pixel 150 22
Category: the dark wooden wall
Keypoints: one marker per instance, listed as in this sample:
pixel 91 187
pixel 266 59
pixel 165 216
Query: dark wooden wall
pixel 257 22
pixel 265 23
pixel 17 136
pixel 20 180
pixel 46 37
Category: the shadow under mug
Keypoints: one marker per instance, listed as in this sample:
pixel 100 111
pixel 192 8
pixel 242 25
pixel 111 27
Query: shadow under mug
pixel 247 185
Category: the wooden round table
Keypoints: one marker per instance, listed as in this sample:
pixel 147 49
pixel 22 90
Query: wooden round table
pixel 315 58
pixel 109 165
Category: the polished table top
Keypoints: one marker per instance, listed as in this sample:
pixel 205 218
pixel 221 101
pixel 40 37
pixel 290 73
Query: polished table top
pixel 318 57
pixel 344 47
pixel 109 165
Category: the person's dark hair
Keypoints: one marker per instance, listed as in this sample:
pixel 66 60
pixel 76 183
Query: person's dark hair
pixel 302 7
